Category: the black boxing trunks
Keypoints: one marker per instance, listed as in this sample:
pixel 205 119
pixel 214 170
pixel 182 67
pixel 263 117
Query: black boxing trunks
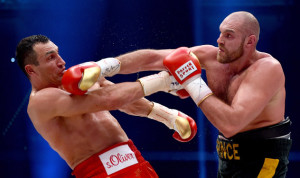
pixel 122 160
pixel 261 153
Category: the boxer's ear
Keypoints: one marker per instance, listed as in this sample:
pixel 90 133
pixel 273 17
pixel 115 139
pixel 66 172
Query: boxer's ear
pixel 250 40
pixel 29 69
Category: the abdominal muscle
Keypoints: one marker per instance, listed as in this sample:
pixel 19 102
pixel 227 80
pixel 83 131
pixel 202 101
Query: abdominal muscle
pixel 77 138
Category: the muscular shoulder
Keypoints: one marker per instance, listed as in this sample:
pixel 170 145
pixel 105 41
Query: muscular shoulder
pixel 269 71
pixel 206 54
pixel 42 103
pixel 268 64
pixel 46 94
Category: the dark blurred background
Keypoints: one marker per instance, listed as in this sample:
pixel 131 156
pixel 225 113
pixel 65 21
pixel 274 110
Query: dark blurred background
pixel 94 29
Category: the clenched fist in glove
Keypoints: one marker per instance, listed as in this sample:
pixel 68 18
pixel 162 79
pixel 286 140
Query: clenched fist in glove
pixel 163 81
pixel 186 69
pixel 185 127
pixel 79 78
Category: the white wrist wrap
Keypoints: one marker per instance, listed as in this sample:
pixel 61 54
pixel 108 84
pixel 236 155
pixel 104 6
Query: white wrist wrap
pixel 163 114
pixel 198 90
pixel 154 83
pixel 175 86
pixel 109 66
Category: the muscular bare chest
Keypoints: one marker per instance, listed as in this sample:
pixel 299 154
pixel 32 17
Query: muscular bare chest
pixel 224 83
pixel 81 136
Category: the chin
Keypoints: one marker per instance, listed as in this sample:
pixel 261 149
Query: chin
pixel 220 59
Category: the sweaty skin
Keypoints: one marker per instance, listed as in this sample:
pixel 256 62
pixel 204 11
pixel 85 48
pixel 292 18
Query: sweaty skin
pixel 247 95
pixel 248 85
pixel 78 126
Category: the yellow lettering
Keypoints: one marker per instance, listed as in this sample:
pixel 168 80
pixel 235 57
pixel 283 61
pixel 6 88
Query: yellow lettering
pixel 223 148
pixel 235 152
pixel 228 151
pixel 219 149
pixel 218 146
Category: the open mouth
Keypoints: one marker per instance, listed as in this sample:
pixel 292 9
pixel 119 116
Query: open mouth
pixel 221 50
pixel 62 71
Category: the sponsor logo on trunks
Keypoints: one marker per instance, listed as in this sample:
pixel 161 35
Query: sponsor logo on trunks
pixel 227 150
pixel 117 159
pixel 185 70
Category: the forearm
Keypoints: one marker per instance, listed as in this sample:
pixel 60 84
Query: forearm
pixel 227 119
pixel 142 60
pixel 141 107
pixel 114 97
pixel 184 125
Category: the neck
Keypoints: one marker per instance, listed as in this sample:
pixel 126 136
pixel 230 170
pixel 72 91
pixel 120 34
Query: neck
pixel 39 85
pixel 243 62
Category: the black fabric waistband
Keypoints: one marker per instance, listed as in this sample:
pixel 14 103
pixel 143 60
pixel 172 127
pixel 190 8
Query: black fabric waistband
pixel 253 149
pixel 281 129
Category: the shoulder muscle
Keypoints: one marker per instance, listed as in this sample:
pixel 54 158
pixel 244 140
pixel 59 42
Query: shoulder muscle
pixel 205 54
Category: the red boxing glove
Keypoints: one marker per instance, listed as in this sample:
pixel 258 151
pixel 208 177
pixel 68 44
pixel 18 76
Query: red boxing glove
pixel 183 64
pixel 183 94
pixel 186 69
pixel 177 89
pixel 193 127
pixel 79 78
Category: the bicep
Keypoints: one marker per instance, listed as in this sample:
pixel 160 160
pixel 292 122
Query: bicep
pixel 256 91
pixel 143 60
pixel 53 102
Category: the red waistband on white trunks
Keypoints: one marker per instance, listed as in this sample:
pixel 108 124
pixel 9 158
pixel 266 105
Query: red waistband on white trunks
pixel 110 160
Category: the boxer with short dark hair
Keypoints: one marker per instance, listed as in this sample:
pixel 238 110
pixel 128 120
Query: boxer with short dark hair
pixel 70 110
pixel 244 98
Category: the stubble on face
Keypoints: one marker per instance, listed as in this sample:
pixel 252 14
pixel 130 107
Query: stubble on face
pixel 225 56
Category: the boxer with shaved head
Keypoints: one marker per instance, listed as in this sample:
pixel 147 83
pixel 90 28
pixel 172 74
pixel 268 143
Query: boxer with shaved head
pixel 244 97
